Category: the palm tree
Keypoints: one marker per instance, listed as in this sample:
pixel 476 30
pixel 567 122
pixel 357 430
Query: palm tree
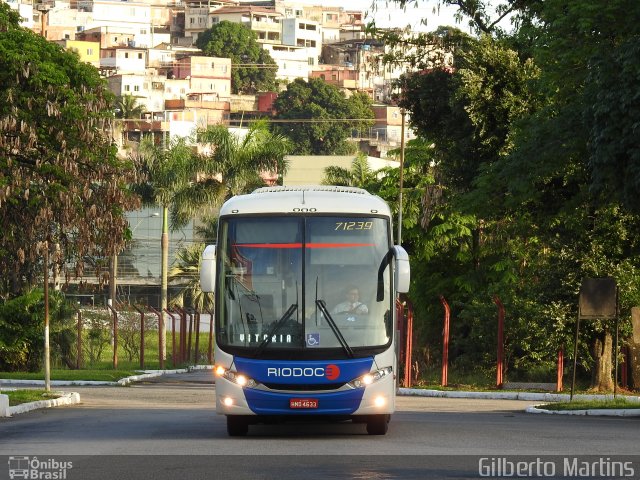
pixel 187 268
pixel 178 180
pixel 128 107
pixel 360 174
pixel 240 159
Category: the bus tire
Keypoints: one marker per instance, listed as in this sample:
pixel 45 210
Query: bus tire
pixel 378 424
pixel 237 426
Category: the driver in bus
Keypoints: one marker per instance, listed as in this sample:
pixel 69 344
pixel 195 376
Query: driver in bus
pixel 352 305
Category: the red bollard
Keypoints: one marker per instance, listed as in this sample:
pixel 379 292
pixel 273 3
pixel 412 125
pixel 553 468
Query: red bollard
pixel 445 342
pixel 500 362
pixel 160 330
pixel 173 336
pixel 560 370
pixel 141 312
pixel 197 347
pixel 625 357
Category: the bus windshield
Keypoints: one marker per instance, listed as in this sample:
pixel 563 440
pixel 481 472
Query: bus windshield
pixel 303 284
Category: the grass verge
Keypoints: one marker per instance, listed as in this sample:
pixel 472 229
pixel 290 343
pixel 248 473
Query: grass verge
pixel 16 397
pixel 72 375
pixel 618 403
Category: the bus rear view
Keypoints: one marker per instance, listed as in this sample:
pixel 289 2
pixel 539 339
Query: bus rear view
pixel 305 280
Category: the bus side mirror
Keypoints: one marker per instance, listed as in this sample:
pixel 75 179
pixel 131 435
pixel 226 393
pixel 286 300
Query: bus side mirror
pixel 402 270
pixel 208 269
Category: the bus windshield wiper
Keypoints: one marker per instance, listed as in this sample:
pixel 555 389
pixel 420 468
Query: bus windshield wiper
pixel 336 331
pixel 274 329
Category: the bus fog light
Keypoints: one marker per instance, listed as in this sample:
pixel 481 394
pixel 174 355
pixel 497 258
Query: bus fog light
pixel 380 401
pixel 228 401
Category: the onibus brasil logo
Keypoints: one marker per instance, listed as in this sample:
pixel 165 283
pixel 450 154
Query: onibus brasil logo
pixel 33 468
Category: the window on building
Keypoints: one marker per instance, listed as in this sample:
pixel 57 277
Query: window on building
pixel 192 21
pixel 140 56
pixel 89 51
pixel 143 31
pixel 126 54
pixel 310 61
pixel 127 88
pixel 136 88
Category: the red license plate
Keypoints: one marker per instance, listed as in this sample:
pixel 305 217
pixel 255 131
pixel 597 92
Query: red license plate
pixel 303 403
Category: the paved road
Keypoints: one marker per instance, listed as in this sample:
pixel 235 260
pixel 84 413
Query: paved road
pixel 176 415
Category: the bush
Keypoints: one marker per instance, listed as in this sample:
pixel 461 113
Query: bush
pixel 22 331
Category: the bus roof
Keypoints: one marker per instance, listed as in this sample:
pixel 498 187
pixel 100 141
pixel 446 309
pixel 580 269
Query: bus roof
pixel 316 198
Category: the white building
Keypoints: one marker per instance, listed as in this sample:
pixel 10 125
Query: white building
pixel 300 32
pixel 293 62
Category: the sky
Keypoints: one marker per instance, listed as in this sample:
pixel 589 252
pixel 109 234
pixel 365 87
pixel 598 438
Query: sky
pixel 389 14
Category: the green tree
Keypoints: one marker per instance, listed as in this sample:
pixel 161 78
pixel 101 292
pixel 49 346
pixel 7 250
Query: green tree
pixel 319 118
pixel 180 182
pixel 359 175
pixel 61 183
pixel 186 270
pixel 240 159
pixel 127 107
pixel 252 70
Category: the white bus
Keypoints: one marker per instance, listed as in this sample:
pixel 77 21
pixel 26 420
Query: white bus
pixel 305 282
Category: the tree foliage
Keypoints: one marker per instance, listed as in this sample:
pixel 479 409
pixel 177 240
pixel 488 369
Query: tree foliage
pixel 320 117
pixel 127 107
pixel 60 179
pixel 535 159
pixel 252 70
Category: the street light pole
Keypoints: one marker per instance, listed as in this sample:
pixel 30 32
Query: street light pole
pixel 401 178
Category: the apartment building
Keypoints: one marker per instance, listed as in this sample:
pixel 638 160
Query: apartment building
pixel 88 52
pixel 265 22
pixel 300 32
pixel 206 75
pixel 198 16
pixel 293 62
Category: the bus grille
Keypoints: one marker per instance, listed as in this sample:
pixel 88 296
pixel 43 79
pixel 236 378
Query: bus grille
pixel 303 388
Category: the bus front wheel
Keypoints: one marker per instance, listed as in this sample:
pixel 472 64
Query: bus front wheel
pixel 237 426
pixel 378 424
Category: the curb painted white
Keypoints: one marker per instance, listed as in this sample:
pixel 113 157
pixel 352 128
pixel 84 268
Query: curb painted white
pixel 604 412
pixel 73 397
pixel 4 405
pixel 530 396
pixel 66 398
pixel 122 382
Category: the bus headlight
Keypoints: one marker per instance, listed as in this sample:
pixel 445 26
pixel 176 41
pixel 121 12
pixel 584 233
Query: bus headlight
pixel 369 378
pixel 236 377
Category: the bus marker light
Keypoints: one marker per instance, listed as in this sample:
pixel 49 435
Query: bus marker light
pixel 380 401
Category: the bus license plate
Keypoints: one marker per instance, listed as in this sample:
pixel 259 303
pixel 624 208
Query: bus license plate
pixel 303 403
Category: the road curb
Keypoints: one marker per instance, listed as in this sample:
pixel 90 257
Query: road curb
pixel 66 398
pixel 122 382
pixel 529 396
pixel 594 412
